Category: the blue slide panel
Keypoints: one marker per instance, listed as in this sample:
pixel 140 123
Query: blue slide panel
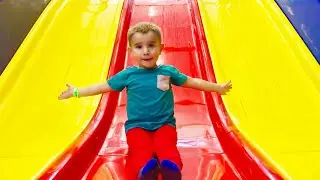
pixel 305 17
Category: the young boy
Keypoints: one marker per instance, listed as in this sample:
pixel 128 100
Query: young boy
pixel 150 128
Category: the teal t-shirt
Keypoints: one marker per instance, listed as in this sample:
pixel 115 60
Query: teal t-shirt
pixel 150 103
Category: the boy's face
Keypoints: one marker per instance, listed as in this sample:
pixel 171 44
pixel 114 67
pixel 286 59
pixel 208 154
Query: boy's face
pixel 145 49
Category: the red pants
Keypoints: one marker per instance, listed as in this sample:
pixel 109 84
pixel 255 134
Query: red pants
pixel 143 145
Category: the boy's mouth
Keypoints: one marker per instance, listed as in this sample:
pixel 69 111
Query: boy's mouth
pixel 149 59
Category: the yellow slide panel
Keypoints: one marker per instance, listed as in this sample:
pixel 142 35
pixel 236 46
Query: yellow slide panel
pixel 72 41
pixel 275 99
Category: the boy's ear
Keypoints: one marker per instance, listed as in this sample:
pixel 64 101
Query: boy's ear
pixel 161 47
pixel 129 48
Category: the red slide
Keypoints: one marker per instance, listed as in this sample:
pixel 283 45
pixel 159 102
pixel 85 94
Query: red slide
pixel 208 149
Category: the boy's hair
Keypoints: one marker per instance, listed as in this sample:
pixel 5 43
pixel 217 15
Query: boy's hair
pixel 144 27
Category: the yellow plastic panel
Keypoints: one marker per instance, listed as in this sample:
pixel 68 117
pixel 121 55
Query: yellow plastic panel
pixel 275 99
pixel 72 41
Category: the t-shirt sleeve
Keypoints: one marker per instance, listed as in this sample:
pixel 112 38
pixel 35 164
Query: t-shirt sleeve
pixel 177 78
pixel 119 81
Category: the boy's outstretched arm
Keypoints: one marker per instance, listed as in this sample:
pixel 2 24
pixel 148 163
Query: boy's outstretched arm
pixel 202 85
pixel 85 91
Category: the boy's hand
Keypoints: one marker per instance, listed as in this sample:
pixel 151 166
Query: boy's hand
pixel 67 93
pixel 224 88
pixel 202 85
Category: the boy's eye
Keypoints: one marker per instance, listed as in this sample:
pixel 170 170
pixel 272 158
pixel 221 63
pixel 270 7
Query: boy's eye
pixel 139 46
pixel 151 45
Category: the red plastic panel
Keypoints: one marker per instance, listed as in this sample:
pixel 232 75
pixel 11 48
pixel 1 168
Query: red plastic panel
pixel 200 150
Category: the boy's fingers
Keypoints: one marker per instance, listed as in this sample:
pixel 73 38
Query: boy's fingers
pixel 227 83
pixel 60 97
pixel 68 85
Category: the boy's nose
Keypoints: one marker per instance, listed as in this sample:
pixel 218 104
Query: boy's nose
pixel 145 51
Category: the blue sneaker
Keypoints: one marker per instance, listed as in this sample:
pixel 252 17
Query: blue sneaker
pixel 169 170
pixel 150 171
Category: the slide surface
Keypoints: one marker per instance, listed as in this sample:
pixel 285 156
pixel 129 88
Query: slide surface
pixel 101 154
pixel 276 96
pixel 72 42
pixel 201 152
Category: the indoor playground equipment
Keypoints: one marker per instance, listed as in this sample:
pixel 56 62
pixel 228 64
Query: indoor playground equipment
pixel 265 128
